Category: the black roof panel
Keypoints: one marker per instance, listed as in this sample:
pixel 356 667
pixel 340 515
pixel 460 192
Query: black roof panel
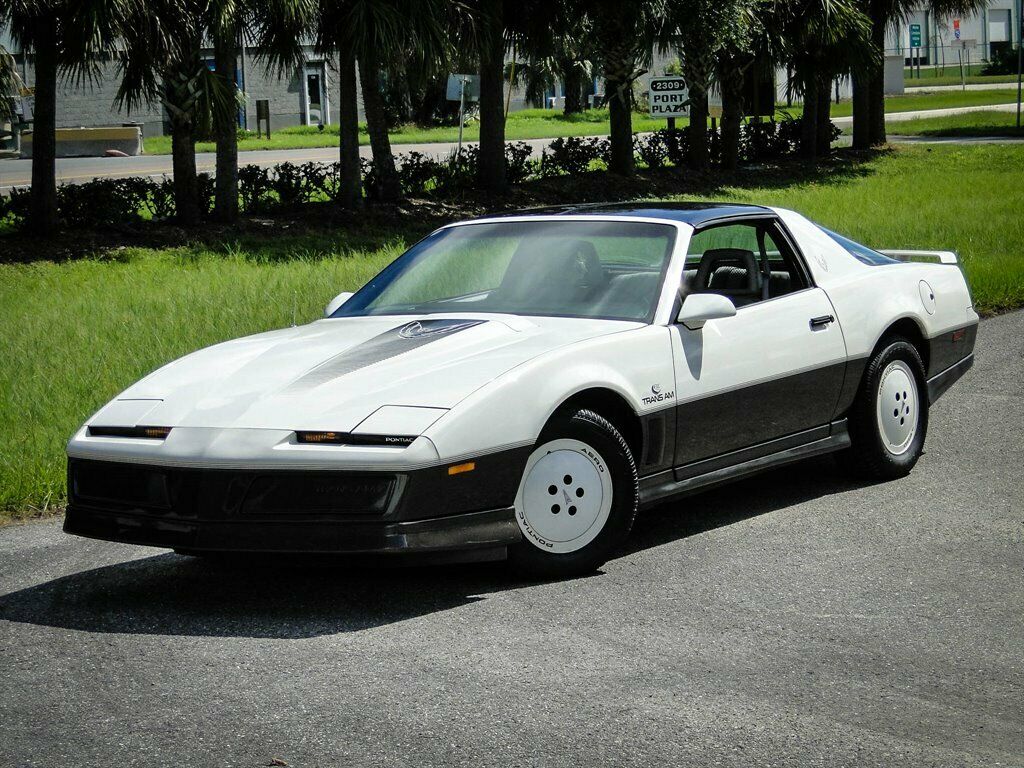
pixel 694 214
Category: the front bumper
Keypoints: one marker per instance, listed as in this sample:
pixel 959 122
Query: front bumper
pixel 286 511
pixel 489 532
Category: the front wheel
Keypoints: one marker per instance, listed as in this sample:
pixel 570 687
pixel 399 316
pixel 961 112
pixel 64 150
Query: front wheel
pixel 889 417
pixel 577 498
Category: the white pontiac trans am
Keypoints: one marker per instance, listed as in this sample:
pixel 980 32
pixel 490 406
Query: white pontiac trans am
pixel 519 386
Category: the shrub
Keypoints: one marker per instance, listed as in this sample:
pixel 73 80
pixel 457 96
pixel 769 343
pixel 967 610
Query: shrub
pixel 572 155
pixel 518 165
pixel 161 199
pixel 651 149
pixel 254 187
pixel 103 201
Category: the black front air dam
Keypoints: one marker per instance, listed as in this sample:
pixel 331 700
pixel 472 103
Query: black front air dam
pixel 491 530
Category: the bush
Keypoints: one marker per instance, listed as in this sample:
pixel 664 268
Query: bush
pixel 573 155
pixel 161 199
pixel 1003 62
pixel 254 188
pixel 518 165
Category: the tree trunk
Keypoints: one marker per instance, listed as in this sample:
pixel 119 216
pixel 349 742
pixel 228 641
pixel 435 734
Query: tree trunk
pixel 573 86
pixel 699 154
pixel 876 89
pixel 732 115
pixel 861 112
pixel 620 116
pixel 824 115
pixel 491 162
pixel 350 188
pixel 225 127
pixel 389 187
pixel 43 200
pixel 809 120
pixel 183 161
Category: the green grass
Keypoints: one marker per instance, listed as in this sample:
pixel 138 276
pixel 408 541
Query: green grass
pixel 983 123
pixel 77 333
pixel 950 75
pixel 549 123
pixel 525 124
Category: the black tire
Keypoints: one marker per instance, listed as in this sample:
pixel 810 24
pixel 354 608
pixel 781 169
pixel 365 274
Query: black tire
pixel 868 457
pixel 600 434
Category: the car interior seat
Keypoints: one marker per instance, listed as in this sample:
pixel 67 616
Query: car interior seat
pixel 731 272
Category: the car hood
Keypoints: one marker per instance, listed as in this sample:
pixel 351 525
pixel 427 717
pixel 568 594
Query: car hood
pixel 332 374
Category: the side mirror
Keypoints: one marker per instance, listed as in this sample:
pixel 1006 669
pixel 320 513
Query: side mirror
pixel 336 302
pixel 698 308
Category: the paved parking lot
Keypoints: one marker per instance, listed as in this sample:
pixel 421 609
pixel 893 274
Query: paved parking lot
pixel 793 619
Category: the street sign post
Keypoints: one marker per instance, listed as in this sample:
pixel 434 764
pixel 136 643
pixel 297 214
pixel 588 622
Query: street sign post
pixel 915 35
pixel 462 88
pixel 668 98
pixel 915 48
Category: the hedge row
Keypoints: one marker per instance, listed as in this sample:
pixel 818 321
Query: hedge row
pixel 114 201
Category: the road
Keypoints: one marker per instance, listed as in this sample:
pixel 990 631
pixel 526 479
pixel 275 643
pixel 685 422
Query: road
pixel 17 172
pixel 795 619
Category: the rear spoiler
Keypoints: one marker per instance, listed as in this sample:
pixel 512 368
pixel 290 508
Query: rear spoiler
pixel 943 257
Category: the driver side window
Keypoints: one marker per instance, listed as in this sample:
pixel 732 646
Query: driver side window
pixel 746 262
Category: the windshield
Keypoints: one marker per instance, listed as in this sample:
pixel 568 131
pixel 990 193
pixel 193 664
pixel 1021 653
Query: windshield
pixel 861 253
pixel 600 269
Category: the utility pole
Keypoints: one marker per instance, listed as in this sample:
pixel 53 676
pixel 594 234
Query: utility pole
pixel 1020 53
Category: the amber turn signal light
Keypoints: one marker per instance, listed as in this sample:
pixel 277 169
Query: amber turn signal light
pixel 458 469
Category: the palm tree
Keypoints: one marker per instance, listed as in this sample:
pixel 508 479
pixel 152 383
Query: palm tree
pixel 869 85
pixel 491 17
pixel 277 28
pixel 698 29
pixel 626 31
pixel 567 55
pixel 10 83
pixel 820 41
pixel 65 36
pixel 161 62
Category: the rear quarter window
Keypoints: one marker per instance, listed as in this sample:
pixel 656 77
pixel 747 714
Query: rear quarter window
pixel 861 253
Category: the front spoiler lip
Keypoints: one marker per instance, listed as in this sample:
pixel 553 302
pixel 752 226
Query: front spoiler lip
pixel 486 530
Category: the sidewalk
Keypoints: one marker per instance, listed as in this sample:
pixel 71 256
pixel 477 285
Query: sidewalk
pixel 970 87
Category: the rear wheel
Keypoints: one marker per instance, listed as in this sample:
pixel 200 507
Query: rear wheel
pixel 577 498
pixel 889 417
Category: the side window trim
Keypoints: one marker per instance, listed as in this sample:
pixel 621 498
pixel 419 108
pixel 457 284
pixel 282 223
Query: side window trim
pixel 798 255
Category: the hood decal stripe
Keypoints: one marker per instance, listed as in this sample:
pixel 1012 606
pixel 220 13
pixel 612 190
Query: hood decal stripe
pixel 391 343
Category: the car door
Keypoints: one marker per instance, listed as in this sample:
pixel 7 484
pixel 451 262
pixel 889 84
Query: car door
pixel 767 378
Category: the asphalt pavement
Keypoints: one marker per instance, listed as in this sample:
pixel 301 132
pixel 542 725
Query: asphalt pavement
pixel 794 619
pixel 17 172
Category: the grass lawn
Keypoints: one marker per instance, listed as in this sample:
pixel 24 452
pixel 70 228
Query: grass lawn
pixel 76 333
pixel 970 124
pixel 950 75
pixel 549 123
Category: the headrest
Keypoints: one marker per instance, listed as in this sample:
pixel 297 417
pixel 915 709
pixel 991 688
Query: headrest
pixel 714 258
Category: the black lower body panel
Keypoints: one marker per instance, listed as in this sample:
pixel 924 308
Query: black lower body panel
pixel 326 511
pixel 490 530
pixel 939 383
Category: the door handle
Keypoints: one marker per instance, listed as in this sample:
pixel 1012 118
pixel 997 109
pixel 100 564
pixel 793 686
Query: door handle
pixel 822 321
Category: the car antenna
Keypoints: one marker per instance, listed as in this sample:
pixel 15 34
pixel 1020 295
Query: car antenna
pixel 295 306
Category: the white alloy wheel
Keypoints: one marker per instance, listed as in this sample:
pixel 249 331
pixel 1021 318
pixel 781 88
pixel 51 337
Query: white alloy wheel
pixel 897 407
pixel 565 496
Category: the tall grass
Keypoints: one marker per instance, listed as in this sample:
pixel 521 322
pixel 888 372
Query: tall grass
pixel 75 334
